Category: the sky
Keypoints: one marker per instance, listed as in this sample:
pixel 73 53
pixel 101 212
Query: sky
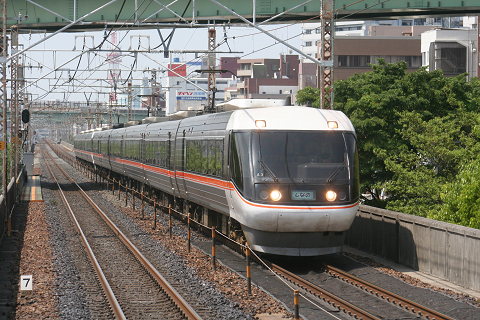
pixel 74 82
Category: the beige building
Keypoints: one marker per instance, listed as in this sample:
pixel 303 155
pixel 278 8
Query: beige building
pixel 354 54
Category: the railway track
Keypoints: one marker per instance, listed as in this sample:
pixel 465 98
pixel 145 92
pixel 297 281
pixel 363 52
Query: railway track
pixel 406 306
pixel 397 300
pixel 327 297
pixel 131 284
pixel 398 303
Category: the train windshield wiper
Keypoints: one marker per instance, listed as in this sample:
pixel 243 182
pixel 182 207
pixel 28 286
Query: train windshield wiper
pixel 264 165
pixel 334 174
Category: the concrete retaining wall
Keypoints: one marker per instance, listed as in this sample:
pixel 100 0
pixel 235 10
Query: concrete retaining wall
pixel 12 197
pixel 445 250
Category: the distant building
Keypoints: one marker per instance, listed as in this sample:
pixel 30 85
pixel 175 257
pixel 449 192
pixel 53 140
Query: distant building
pixel 266 78
pixel 419 42
pixel 452 50
pixel 354 54
pixel 308 75
pixel 192 95
pixel 230 64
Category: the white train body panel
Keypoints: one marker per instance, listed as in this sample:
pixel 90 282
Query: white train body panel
pixel 291 230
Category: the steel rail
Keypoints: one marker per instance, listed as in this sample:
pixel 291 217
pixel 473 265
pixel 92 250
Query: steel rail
pixel 188 311
pixel 116 308
pixel 332 299
pixel 395 299
pixel 324 295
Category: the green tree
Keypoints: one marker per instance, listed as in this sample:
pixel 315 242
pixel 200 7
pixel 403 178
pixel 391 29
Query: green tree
pixel 462 198
pixel 370 101
pixel 309 96
pixel 415 131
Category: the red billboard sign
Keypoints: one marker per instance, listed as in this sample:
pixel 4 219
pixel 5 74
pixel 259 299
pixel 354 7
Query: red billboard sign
pixel 179 68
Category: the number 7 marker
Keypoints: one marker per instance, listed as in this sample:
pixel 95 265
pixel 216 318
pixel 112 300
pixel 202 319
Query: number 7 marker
pixel 26 283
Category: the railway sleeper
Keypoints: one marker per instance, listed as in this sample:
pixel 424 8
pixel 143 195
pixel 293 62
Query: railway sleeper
pixel 224 224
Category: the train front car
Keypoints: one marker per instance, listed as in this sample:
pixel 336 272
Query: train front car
pixel 296 179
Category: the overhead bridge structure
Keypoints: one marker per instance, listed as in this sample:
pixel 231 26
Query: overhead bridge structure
pixel 53 15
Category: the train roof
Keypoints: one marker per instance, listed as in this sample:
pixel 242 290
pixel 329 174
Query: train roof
pixel 289 118
pixel 272 114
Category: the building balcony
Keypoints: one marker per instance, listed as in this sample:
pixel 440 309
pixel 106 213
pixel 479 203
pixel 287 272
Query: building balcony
pixel 244 73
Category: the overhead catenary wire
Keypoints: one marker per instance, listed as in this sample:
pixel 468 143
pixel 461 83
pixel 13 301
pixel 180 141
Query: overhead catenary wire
pixel 135 62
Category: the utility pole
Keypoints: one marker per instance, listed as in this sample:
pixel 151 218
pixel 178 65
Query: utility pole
pixel 212 36
pixel 325 54
pixel 130 93
pixel 153 85
pixel 22 100
pixel 3 94
pixel 14 102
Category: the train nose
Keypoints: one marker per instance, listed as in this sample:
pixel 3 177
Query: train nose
pixel 297 221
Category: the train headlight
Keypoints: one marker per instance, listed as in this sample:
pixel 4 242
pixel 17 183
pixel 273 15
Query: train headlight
pixel 275 195
pixel 342 195
pixel 260 123
pixel 332 124
pixel 331 195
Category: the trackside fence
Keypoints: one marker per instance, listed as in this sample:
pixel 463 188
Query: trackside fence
pixel 445 250
pixel 6 211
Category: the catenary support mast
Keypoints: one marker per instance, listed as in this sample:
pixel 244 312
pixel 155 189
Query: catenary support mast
pixel 325 54
pixel 3 92
pixel 212 38
pixel 14 103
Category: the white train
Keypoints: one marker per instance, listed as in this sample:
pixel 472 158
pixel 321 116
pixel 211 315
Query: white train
pixel 285 178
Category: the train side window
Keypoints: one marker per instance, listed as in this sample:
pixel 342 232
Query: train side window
pixel 165 155
pixel 205 156
pixel 240 163
pixel 148 152
pixel 205 145
pixel 216 158
pixel 120 147
pixel 194 158
pixel 128 150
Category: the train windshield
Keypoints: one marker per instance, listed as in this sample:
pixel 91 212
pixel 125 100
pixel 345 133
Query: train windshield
pixel 294 157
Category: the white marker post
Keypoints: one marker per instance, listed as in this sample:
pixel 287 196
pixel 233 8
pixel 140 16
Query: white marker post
pixel 26 284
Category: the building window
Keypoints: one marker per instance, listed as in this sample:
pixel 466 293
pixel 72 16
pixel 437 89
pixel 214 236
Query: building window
pixel 416 62
pixel 245 66
pixel 274 66
pixel 308 31
pixel 308 44
pixel 353 61
pixel 360 61
pixel 317 30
